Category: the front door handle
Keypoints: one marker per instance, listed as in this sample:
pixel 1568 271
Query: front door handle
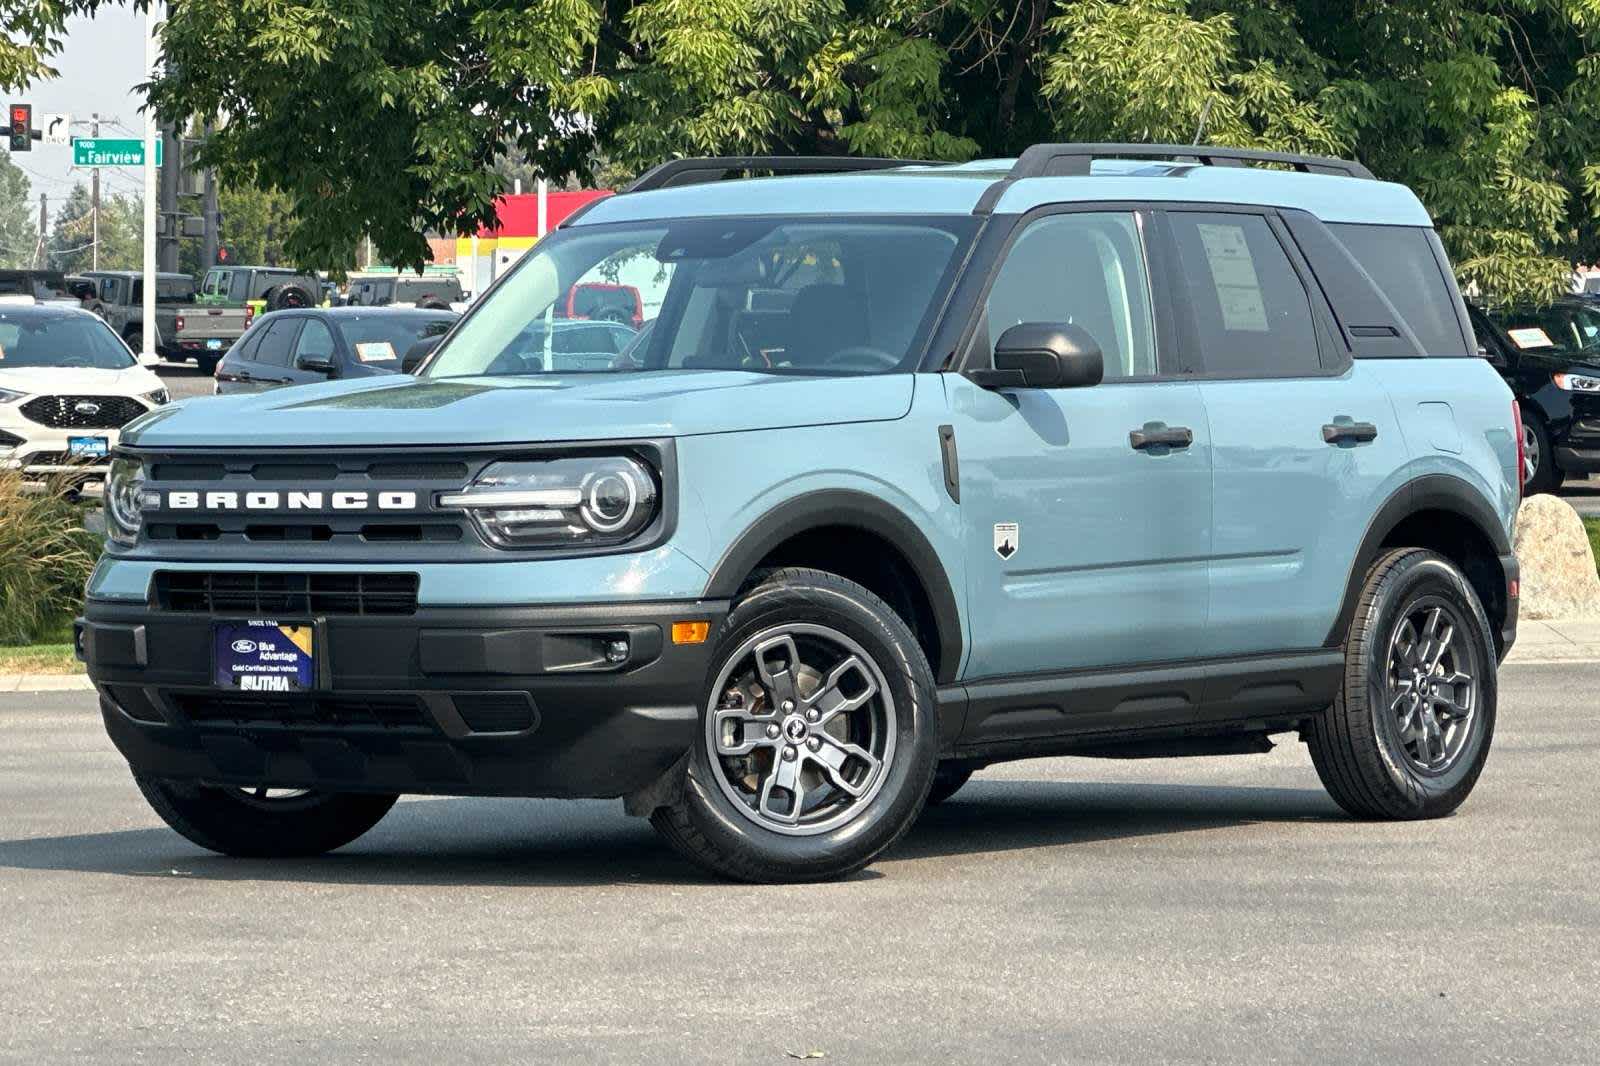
pixel 1358 432
pixel 1159 435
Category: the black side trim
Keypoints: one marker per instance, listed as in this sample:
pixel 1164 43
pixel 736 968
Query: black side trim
pixel 1432 492
pixel 842 507
pixel 952 462
pixel 1018 717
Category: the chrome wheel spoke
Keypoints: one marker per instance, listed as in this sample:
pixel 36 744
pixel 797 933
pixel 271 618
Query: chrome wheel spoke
pixel 739 732
pixel 778 679
pixel 783 783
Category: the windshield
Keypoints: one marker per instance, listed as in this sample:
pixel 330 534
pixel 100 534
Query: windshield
pixel 772 294
pixel 59 341
pixel 385 339
pixel 1569 329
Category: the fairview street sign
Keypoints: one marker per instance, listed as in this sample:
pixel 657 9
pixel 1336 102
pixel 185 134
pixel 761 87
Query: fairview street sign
pixel 110 152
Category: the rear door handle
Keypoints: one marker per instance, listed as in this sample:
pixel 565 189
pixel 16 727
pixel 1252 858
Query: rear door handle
pixel 1159 435
pixel 1339 432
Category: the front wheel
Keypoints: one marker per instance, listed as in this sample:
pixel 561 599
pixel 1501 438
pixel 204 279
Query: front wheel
pixel 262 823
pixel 1539 471
pixel 1409 730
pixel 819 735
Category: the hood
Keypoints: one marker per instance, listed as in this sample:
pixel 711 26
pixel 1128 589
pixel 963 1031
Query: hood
pixel 77 380
pixel 402 410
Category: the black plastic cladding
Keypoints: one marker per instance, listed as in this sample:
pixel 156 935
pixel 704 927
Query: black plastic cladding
pixel 347 542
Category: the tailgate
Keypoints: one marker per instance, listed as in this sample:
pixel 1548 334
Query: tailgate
pixel 202 322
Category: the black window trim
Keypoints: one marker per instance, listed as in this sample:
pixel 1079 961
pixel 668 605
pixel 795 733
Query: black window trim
pixel 971 350
pixel 1333 355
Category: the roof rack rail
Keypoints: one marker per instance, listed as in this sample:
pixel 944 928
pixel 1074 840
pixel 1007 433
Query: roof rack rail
pixel 675 172
pixel 1069 160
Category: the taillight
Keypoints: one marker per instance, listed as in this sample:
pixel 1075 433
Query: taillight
pixel 180 324
pixel 1522 454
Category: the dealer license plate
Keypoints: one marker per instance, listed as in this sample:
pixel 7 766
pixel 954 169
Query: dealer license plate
pixel 88 447
pixel 265 656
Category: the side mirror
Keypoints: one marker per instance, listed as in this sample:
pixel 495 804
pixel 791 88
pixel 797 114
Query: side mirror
pixel 315 364
pixel 418 353
pixel 1044 355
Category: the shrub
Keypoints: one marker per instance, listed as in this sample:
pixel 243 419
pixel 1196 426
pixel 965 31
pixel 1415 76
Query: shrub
pixel 45 559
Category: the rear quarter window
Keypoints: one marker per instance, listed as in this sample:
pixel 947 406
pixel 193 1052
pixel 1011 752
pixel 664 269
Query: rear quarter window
pixel 1400 260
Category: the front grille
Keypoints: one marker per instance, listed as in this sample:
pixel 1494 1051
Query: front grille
pixel 83 412
pixel 288 595
pixel 343 711
pixel 494 712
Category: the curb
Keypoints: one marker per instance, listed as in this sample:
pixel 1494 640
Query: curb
pixel 45 683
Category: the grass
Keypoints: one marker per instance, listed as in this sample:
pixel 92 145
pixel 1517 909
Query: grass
pixel 46 555
pixel 1592 525
pixel 39 659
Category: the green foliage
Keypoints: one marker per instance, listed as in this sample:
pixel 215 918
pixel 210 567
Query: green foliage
pixel 46 557
pixel 19 234
pixel 70 246
pixel 388 117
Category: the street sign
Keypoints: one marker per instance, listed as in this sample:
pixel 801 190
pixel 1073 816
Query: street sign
pixel 110 152
pixel 55 128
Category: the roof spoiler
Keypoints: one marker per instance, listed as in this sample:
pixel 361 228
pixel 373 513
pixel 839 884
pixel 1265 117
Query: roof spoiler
pixel 676 172
pixel 1073 160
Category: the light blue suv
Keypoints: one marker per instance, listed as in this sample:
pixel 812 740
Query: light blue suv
pixel 1112 450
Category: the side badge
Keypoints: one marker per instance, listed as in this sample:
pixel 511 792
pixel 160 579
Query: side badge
pixel 1006 539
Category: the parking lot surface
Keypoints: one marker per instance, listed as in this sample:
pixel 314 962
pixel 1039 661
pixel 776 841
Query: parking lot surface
pixel 1056 911
pixel 184 379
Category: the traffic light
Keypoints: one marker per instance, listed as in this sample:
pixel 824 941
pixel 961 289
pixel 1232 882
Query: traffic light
pixel 21 127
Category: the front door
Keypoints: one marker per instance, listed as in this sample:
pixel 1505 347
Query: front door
pixel 1087 544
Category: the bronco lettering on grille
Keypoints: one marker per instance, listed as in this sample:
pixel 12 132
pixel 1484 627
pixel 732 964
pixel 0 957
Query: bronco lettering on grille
pixel 290 501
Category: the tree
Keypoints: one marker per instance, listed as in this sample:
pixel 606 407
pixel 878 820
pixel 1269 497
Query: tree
pixel 19 234
pixel 70 247
pixel 386 119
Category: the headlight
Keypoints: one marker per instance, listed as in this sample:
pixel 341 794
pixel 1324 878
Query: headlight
pixel 126 499
pixel 594 501
pixel 1577 382
pixel 158 397
pixel 8 395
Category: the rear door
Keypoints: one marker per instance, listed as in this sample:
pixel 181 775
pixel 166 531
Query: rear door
pixel 1305 441
pixel 269 365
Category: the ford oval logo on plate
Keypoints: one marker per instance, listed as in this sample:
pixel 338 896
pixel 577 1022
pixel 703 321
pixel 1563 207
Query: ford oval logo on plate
pixel 244 647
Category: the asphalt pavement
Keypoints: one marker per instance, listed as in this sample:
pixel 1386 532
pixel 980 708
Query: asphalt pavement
pixel 184 380
pixel 1062 910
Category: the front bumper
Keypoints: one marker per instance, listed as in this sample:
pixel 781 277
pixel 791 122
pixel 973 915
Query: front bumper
pixel 44 451
pixel 502 701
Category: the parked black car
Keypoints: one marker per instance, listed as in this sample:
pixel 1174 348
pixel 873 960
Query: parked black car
pixel 1550 356
pixel 318 344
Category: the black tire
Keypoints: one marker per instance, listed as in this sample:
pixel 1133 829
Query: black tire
pixel 948 779
pixel 136 342
pixel 232 821
pixel 704 823
pixel 288 297
pixel 1357 745
pixel 1545 477
pixel 207 363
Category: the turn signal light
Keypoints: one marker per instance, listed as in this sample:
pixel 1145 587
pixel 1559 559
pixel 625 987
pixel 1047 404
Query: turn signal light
pixel 690 632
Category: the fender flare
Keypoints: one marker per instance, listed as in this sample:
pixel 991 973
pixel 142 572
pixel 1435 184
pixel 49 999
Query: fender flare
pixel 1431 492
pixel 843 507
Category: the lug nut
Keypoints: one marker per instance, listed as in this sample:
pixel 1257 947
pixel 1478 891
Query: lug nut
pixel 813 714
pixel 788 705
pixel 772 732
pixel 815 744
pixel 789 754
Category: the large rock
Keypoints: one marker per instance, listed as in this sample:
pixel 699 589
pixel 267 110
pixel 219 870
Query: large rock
pixel 1558 574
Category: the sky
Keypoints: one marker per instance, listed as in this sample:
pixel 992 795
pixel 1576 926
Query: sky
pixel 102 61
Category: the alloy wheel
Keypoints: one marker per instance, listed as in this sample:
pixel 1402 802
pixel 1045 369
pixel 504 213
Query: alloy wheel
pixel 1530 453
pixel 801 733
pixel 1431 689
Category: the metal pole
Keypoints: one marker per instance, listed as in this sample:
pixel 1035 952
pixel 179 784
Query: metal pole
pixel 38 254
pixel 171 176
pixel 544 207
pixel 147 329
pixel 94 202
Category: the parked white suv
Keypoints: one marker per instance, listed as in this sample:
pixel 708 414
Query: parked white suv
pixel 68 385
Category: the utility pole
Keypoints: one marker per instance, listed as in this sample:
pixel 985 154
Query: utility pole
pixel 148 328
pixel 94 200
pixel 44 215
pixel 208 208
pixel 171 174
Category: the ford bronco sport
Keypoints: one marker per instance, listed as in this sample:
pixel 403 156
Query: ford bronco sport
pixel 1111 450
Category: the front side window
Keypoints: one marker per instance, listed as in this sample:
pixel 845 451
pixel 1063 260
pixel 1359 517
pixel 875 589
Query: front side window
pixel 316 342
pixel 1087 269
pixel 781 295
pixel 1252 313
pixel 35 340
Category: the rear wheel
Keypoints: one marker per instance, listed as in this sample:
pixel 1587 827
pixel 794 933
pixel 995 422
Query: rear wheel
pixel 261 823
pixel 819 735
pixel 1409 731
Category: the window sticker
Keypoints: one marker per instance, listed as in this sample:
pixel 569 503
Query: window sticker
pixel 374 351
pixel 1233 274
pixel 1530 337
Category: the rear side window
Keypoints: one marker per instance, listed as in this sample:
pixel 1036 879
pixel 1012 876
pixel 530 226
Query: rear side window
pixel 1401 261
pixel 275 345
pixel 1251 311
